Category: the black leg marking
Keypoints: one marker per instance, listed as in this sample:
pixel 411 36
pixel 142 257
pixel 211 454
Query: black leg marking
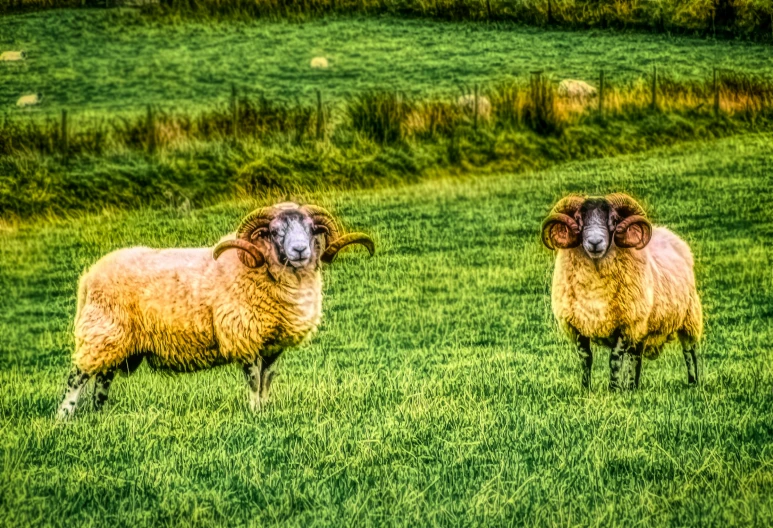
pixel 691 359
pixel 75 382
pixel 102 383
pixel 616 356
pixel 586 360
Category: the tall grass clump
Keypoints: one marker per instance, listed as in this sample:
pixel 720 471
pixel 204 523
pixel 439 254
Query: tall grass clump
pixel 380 116
pixel 251 146
pixel 540 112
pixel 713 18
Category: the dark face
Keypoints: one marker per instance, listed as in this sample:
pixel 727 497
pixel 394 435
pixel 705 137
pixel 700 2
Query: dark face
pixel 598 227
pixel 291 240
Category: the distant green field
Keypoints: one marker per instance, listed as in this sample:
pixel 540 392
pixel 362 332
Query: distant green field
pixel 96 60
pixel 437 392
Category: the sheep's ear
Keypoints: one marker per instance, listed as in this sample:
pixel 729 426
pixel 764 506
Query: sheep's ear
pixel 633 232
pixel 559 231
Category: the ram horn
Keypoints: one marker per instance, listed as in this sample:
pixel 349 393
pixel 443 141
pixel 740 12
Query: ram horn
pixel 352 238
pixel 256 219
pixel 567 236
pixel 322 217
pixel 631 214
pixel 257 257
pixel 627 237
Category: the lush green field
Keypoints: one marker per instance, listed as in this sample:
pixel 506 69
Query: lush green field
pixel 437 392
pixel 118 61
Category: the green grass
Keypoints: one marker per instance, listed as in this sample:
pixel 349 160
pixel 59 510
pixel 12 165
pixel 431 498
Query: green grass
pixel 437 392
pixel 92 62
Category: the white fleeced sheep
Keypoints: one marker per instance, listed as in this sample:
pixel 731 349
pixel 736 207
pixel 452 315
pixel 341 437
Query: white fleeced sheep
pixel 467 103
pixel 29 100
pixel 319 63
pixel 13 56
pixel 620 282
pixel 192 309
pixel 574 89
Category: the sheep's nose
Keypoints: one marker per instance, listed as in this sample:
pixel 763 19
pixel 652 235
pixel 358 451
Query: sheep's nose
pixel 300 250
pixel 595 243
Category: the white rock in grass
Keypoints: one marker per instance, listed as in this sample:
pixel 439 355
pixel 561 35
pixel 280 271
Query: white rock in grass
pixel 467 103
pixel 11 56
pixel 29 100
pixel 319 62
pixel 574 89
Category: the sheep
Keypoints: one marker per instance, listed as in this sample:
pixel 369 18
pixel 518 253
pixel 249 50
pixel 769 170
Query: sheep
pixel 319 62
pixel 467 103
pixel 29 100
pixel 13 56
pixel 574 89
pixel 622 283
pixel 191 309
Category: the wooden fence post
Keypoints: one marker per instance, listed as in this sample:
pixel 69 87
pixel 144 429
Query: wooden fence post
pixel 320 117
pixel 151 131
pixel 601 93
pixel 475 110
pixel 64 144
pixel 654 88
pixel 234 112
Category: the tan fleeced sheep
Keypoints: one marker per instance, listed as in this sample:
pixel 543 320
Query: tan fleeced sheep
pixel 319 63
pixel 620 282
pixel 13 56
pixel 192 309
pixel 29 100
pixel 467 104
pixel 574 89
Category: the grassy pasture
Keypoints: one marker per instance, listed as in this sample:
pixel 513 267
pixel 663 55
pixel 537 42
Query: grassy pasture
pixel 95 61
pixel 437 391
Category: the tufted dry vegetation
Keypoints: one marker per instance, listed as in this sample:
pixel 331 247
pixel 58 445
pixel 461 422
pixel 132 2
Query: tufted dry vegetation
pixel 730 18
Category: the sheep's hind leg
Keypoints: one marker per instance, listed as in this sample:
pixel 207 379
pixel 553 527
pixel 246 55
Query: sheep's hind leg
pixel 616 357
pixel 691 360
pixel 102 383
pixel 690 357
pixel 267 377
pixel 586 360
pixel 75 383
pixel 254 374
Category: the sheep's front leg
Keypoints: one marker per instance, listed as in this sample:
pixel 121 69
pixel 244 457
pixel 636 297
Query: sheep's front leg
pixel 586 360
pixel 636 357
pixel 268 376
pixel 616 357
pixel 254 374
pixel 75 383
pixel 692 364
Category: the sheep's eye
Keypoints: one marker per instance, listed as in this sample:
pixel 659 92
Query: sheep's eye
pixel 274 232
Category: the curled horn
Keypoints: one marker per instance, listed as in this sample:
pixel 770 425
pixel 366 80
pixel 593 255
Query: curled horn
pixel 352 238
pixel 324 219
pixel 257 257
pixel 249 254
pixel 634 231
pixel 559 229
pixel 334 242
